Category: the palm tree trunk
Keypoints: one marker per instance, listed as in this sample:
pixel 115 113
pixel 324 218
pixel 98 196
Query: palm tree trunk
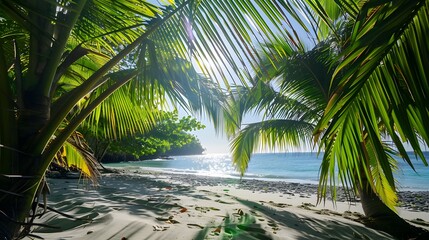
pixel 381 217
pixel 20 179
pixel 16 205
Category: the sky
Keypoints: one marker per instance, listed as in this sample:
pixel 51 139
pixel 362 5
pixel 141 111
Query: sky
pixel 210 140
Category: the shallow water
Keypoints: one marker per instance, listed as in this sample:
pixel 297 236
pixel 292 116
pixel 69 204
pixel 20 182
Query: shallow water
pixel 290 167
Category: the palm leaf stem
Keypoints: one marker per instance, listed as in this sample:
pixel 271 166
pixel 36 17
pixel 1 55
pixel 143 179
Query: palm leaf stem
pixel 18 74
pixel 71 58
pixel 62 32
pixel 12 11
pixel 320 10
pixel 119 30
pixel 56 144
pixel 364 68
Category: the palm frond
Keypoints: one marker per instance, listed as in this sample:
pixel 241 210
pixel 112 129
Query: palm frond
pixel 291 98
pixel 76 154
pixel 119 115
pixel 276 133
pixel 381 82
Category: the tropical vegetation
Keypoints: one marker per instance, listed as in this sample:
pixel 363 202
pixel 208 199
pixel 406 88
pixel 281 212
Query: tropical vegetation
pixel 169 136
pixel 66 63
pixel 363 84
pixel 112 65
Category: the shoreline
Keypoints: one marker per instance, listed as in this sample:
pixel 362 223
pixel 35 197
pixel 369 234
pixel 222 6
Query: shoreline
pixel 409 200
pixel 155 205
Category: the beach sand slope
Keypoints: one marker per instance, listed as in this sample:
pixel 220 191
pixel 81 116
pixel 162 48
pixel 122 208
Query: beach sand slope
pixel 160 206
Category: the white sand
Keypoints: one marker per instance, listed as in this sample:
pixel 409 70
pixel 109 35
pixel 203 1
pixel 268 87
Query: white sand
pixel 161 207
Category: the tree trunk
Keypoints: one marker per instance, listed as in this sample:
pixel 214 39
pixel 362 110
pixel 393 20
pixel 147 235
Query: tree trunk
pixel 21 171
pixel 16 205
pixel 380 217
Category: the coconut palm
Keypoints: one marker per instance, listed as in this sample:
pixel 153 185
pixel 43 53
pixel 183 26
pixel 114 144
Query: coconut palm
pixel 60 59
pixel 292 102
pixel 377 90
pixel 290 95
pixel 381 94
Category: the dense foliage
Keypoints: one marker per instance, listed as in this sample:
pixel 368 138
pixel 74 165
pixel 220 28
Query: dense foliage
pixel 61 64
pixel 361 100
pixel 170 136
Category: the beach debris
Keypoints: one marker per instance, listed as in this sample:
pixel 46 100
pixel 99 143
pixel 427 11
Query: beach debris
pixel 206 209
pixel 239 213
pixel 323 212
pixel 168 220
pixel 183 209
pixel 202 209
pixel 355 216
pixel 271 223
pixel 307 206
pixel 172 221
pixel 159 228
pixel 217 231
pixel 328 212
pixel 273 226
pixel 279 205
pixel 89 232
pixel 191 225
pixel 223 202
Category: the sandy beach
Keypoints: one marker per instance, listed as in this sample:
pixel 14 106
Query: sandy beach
pixel 153 205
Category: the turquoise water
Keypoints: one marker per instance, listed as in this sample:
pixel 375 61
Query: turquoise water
pixel 291 167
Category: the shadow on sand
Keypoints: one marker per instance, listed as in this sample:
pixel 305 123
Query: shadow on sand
pixel 132 204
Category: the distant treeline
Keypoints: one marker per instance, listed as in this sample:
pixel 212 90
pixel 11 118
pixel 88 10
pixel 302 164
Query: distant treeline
pixel 170 137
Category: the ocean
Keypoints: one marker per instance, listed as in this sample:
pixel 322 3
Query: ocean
pixel 290 167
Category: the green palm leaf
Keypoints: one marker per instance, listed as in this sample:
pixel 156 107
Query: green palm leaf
pixel 381 82
pixel 291 99
pixel 280 133
pixel 77 154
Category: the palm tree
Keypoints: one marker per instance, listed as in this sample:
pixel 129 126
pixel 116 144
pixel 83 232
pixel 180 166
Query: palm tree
pixel 59 60
pixel 380 76
pixel 291 95
pixel 381 93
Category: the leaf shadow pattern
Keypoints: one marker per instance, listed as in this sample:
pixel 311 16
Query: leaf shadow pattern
pixel 129 206
pixel 142 197
pixel 313 228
